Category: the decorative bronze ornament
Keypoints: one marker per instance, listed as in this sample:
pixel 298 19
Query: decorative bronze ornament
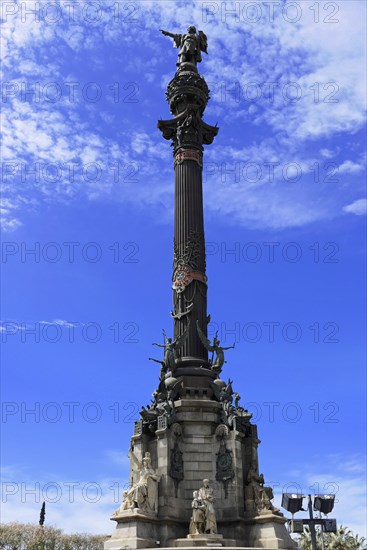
pixel 184 275
pixel 189 154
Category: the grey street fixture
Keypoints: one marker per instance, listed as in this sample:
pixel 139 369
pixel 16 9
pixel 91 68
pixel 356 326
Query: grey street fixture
pixel 322 503
pixel 292 502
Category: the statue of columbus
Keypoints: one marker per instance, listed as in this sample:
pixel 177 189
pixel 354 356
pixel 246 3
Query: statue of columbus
pixel 191 45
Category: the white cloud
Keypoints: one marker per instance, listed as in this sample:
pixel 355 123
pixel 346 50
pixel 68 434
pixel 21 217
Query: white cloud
pixel 358 207
pixel 8 222
pixel 62 323
pixel 350 167
pixel 14 325
pixel 73 505
pixel 303 54
pixel 327 153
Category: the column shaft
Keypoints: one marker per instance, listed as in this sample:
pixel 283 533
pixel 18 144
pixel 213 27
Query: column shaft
pixel 190 251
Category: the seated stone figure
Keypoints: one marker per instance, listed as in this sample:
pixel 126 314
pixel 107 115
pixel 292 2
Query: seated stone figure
pixel 256 492
pixel 144 493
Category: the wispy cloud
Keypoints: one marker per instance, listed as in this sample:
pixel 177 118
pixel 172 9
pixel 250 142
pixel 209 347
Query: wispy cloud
pixel 23 325
pixel 358 207
pixel 74 505
pixel 277 58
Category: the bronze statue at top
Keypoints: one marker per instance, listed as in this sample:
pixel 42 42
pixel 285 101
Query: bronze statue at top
pixel 191 45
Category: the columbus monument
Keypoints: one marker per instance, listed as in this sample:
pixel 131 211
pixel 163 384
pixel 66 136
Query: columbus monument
pixel 194 470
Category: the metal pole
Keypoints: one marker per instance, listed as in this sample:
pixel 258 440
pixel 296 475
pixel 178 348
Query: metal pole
pixel 312 524
pixel 322 536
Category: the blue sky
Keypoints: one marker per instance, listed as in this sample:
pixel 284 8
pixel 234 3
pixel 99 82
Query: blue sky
pixel 88 186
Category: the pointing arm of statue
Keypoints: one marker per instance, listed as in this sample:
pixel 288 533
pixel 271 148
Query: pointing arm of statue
pixel 164 339
pixel 166 33
pixel 230 347
pixel 134 458
pixel 176 37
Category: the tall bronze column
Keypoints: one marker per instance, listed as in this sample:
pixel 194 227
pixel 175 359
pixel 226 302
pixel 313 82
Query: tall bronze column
pixel 187 96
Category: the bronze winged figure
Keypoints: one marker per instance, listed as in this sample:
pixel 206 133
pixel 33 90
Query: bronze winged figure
pixel 214 347
pixel 171 346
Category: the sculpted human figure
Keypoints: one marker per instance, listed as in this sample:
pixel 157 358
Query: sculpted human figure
pixel 237 399
pixel 260 495
pixel 206 494
pixel 163 371
pixel 170 346
pixel 213 347
pixel 144 493
pixel 191 45
pixel 127 503
pixel 197 523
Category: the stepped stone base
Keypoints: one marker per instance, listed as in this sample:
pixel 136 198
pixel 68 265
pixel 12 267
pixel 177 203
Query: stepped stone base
pixel 204 541
pixel 265 536
pixel 136 530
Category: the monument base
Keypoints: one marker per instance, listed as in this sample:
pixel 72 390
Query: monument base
pixel 204 541
pixel 268 530
pixel 134 529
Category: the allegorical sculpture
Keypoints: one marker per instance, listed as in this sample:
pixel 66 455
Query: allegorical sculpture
pixel 260 495
pixel 225 471
pixel 170 348
pixel 197 524
pixel 206 494
pixel 143 494
pixel 214 347
pixel 191 45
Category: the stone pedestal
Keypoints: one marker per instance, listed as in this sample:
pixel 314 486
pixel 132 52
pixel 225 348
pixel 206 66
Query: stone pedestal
pixel 212 541
pixel 183 454
pixel 268 531
pixel 134 529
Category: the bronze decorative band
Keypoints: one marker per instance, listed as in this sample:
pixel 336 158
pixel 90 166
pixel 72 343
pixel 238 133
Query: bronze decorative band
pixel 189 154
pixel 183 276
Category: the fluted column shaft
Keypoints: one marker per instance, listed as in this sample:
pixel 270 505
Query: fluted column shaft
pixel 190 249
